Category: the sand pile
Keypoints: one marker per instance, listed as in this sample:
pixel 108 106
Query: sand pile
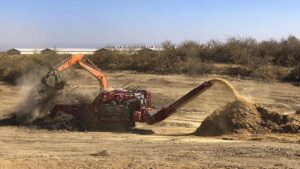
pixel 241 116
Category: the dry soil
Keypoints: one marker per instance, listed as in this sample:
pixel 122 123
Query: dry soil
pixel 169 144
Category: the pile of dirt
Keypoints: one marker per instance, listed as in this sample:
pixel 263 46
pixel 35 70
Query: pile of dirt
pixel 60 121
pixel 241 116
pixel 38 100
pixel 244 117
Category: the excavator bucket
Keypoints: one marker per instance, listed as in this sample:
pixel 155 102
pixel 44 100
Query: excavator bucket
pixel 51 80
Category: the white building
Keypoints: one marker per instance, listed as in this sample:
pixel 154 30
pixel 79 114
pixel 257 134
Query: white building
pixel 155 48
pixel 133 49
pixel 72 51
pixel 23 51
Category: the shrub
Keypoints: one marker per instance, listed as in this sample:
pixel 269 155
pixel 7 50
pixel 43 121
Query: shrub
pixel 267 72
pixel 146 60
pixel 240 71
pixel 13 67
pixel 294 75
pixel 196 67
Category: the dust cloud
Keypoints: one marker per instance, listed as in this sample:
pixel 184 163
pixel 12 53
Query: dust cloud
pixel 37 100
pixel 229 87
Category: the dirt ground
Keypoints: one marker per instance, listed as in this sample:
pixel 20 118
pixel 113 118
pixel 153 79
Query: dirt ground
pixel 168 144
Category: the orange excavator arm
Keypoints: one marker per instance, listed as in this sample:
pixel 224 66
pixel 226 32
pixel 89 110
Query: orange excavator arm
pixel 97 73
pixel 74 59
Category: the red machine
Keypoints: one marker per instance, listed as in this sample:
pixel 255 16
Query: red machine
pixel 119 107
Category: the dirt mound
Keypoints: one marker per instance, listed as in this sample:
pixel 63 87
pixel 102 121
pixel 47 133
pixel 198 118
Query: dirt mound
pixel 241 116
pixel 60 121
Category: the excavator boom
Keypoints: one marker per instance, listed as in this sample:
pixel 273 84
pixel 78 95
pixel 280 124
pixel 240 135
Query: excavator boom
pixel 52 78
pixel 97 73
pixel 74 59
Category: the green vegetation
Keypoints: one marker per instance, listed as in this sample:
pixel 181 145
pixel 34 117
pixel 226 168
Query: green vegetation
pixel 241 57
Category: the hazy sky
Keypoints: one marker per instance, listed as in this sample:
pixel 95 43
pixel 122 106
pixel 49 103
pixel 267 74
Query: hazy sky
pixel 94 23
